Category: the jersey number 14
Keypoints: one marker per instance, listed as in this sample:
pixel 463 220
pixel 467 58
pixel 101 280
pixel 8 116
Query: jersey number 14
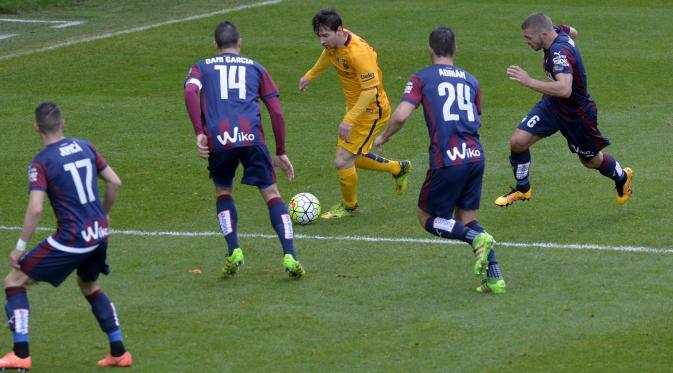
pixel 230 80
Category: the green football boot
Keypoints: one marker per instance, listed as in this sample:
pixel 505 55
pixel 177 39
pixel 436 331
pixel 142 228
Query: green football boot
pixel 293 267
pixel 401 179
pixel 233 262
pixel 491 285
pixel 482 246
pixel 340 211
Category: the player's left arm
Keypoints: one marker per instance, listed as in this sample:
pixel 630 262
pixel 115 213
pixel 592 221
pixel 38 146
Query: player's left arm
pixel 561 87
pixel 30 221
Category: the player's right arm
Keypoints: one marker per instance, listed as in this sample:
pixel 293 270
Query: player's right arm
pixel 413 96
pixel 320 66
pixel 397 120
pixel 30 221
pixel 193 103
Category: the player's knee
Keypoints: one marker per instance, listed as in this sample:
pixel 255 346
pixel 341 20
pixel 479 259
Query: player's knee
pixel 16 278
pixel 87 287
pixel 518 144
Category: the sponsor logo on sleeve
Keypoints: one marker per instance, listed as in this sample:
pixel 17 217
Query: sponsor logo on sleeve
pixel 32 174
pixel 408 87
pixel 367 76
pixel 560 61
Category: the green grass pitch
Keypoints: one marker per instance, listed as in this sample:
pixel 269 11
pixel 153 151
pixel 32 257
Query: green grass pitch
pixel 367 304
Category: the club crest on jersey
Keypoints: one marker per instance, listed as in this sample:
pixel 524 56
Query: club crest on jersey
pixel 225 138
pixel 68 149
pixel 463 153
pixel 342 62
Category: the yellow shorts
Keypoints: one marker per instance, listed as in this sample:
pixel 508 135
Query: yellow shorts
pixel 363 133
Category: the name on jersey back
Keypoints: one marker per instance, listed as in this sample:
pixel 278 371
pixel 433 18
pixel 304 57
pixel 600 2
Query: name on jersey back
pixel 452 73
pixel 68 149
pixel 229 59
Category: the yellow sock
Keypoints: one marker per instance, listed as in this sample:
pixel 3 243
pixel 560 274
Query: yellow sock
pixel 374 162
pixel 348 181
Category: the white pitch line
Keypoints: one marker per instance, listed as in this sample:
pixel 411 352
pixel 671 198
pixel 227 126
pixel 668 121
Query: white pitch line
pixel 7 36
pixel 57 24
pixel 544 245
pixel 138 29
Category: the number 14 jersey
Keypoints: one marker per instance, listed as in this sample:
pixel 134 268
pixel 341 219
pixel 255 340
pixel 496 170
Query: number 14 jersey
pixel 230 87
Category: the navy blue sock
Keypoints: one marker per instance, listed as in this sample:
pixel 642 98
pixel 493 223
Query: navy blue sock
pixel 18 314
pixel 611 168
pixel 450 228
pixel 226 215
pixel 493 270
pixel 475 226
pixel 282 224
pixel 107 318
pixel 520 164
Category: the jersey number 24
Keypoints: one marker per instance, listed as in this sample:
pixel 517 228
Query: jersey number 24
pixel 460 94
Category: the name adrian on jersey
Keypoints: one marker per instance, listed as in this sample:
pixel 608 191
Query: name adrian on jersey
pixel 464 153
pixel 451 73
pixel 236 137
pixel 94 233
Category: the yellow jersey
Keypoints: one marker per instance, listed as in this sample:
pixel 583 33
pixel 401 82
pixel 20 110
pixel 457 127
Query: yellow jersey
pixel 357 66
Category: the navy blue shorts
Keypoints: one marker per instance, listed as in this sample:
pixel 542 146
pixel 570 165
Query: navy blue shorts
pixel 583 136
pixel 446 188
pixel 257 166
pixel 47 264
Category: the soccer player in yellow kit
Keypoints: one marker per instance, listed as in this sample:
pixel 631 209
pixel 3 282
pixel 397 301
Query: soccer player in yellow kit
pixel 368 109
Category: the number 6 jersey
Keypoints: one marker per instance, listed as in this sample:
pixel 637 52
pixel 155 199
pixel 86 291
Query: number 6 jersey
pixel 67 171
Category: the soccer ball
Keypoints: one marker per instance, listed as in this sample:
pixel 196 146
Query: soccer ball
pixel 304 208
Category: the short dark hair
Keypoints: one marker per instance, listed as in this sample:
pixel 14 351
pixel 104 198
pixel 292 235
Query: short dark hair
pixel 443 41
pixel 327 18
pixel 226 35
pixel 538 22
pixel 48 116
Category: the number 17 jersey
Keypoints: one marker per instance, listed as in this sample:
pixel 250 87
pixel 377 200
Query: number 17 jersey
pixel 451 101
pixel 67 171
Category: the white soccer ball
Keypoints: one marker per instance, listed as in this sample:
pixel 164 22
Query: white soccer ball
pixel 304 208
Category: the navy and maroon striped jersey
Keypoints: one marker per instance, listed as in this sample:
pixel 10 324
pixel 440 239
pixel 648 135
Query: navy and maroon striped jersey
pixel 230 89
pixel 68 172
pixel 451 101
pixel 563 57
